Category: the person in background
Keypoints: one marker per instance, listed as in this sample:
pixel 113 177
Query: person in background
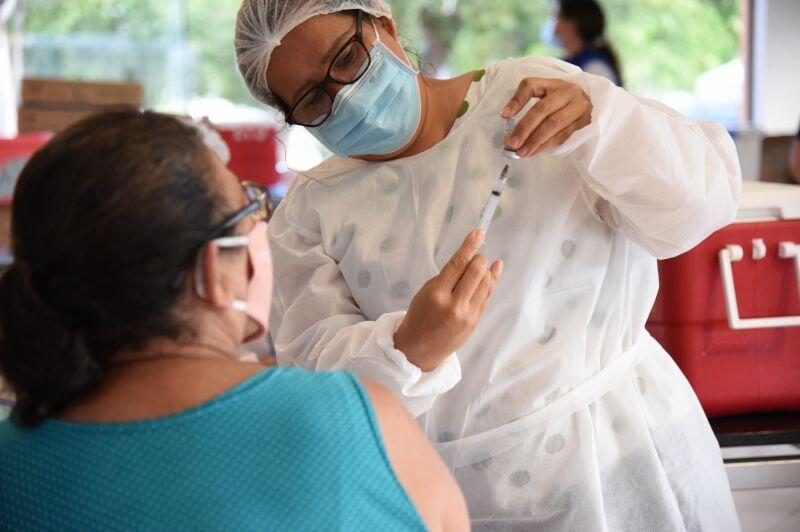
pixel 794 157
pixel 141 266
pixel 579 28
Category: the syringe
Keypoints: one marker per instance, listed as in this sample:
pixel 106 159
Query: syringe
pixel 494 199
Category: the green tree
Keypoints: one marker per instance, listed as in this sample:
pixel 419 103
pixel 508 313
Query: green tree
pixel 663 44
pixel 184 48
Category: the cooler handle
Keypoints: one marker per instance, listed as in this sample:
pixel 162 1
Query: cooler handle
pixel 734 253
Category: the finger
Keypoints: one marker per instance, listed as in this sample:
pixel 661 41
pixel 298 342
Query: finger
pixel 483 288
pixel 458 263
pixel 557 140
pixel 549 128
pixel 484 291
pixel 545 107
pixel 471 279
pixel 497 269
pixel 528 88
pixel 582 121
pixel 561 138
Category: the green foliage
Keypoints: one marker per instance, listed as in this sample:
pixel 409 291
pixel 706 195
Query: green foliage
pixel 663 44
pixel 185 47
pixel 176 48
pixel 666 44
pixel 211 28
pixel 140 19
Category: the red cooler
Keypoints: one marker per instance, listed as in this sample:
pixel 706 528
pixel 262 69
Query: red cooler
pixel 253 152
pixel 729 310
pixel 14 153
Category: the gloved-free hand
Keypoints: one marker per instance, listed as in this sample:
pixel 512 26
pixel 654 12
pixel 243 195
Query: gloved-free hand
pixel 563 108
pixel 446 310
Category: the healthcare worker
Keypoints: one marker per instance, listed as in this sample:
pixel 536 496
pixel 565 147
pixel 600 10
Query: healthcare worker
pixel 560 412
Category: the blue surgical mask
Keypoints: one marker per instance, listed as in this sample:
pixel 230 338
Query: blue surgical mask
pixel 548 33
pixel 376 115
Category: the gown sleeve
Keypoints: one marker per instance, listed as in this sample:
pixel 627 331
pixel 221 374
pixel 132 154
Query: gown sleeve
pixel 665 181
pixel 316 324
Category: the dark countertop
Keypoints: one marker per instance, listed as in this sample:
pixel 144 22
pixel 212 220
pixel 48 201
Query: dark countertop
pixel 757 429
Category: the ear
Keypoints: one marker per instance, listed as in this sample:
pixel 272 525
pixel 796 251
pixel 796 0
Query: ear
pixel 214 290
pixel 389 26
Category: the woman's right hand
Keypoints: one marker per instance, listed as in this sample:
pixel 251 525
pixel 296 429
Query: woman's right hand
pixel 446 310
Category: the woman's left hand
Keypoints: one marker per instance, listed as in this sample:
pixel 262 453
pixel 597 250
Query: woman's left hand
pixel 563 109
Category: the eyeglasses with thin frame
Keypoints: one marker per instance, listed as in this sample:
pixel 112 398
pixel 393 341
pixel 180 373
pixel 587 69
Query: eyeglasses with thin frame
pixel 259 205
pixel 348 66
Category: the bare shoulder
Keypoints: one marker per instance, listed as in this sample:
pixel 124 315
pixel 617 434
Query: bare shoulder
pixel 429 484
pixel 386 406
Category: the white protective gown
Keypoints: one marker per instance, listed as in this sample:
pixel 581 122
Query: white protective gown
pixel 561 412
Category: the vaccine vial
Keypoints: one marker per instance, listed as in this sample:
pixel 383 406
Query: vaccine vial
pixel 507 152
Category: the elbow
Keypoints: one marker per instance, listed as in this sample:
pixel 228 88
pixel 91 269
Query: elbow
pixel 700 216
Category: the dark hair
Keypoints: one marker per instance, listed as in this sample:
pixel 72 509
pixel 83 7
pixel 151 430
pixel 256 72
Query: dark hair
pixel 591 22
pixel 106 221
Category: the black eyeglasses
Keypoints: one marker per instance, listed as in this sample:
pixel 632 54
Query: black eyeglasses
pixel 349 66
pixel 260 205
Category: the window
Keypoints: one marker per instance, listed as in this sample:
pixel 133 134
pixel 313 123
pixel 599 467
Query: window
pixel 180 50
pixel 685 53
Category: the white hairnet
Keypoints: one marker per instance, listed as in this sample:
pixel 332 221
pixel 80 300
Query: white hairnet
pixel 261 24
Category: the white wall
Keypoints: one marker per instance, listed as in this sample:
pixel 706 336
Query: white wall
pixel 776 66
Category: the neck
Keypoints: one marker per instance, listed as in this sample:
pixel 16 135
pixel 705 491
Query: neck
pixel 440 101
pixel 164 377
pixel 213 343
pixel 173 350
pixel 574 47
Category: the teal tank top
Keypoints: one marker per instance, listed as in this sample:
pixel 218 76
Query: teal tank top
pixel 284 450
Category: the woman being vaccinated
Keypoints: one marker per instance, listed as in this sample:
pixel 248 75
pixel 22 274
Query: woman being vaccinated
pixel 559 412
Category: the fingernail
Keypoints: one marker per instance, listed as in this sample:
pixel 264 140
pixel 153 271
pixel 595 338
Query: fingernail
pixel 514 142
pixel 505 111
pixel 524 152
pixel 479 234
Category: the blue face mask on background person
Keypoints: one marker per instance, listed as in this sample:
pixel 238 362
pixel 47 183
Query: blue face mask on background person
pixel 376 115
pixel 548 33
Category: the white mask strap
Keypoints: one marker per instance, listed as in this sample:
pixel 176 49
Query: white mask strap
pixel 223 242
pixel 375 29
pixel 378 40
pixel 237 241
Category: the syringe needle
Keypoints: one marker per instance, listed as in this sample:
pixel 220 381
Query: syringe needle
pixel 494 199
